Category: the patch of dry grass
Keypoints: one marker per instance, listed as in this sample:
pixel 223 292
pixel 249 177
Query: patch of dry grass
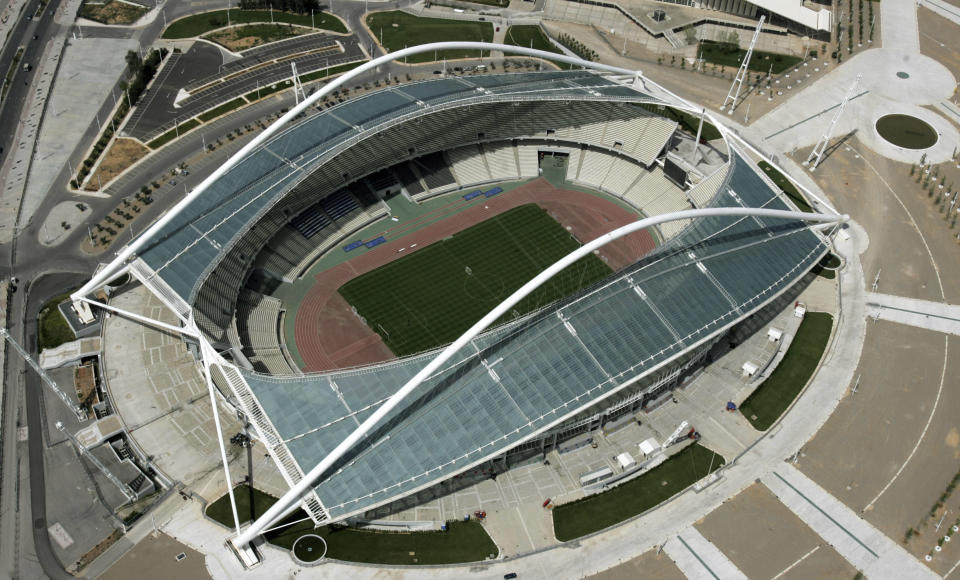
pixel 239 38
pixel 121 155
pixel 112 12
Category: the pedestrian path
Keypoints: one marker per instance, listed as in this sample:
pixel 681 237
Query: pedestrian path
pixel 949 109
pixel 18 163
pixel 896 77
pixel 948 11
pixel 935 316
pixel 900 30
pixel 861 544
pixel 698 558
pixel 9 15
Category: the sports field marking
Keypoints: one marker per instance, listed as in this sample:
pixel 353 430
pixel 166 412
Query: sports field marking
pixel 428 298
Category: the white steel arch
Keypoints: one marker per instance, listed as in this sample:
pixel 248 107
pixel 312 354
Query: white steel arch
pixel 290 499
pixel 130 249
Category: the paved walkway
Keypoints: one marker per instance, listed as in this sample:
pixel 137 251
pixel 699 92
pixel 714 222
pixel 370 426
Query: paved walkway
pixel 935 316
pixel 895 79
pixel 88 71
pixel 900 30
pixel 872 552
pixel 22 157
pixel 698 558
pixel 950 110
pixel 945 9
pixel 8 17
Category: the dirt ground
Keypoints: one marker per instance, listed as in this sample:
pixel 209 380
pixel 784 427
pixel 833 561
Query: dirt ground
pixel 872 432
pixel 345 341
pixel 862 183
pixel 938 39
pixel 765 526
pixel 910 499
pixel 112 12
pixel 156 558
pixel 121 155
pixel 648 565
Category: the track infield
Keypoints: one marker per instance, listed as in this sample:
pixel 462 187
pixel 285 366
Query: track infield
pixel 328 335
pixel 429 298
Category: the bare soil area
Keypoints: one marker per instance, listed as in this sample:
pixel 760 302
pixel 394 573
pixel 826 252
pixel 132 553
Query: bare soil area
pixel 121 155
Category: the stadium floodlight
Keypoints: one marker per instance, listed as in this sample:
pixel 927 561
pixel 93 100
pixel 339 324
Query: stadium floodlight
pixel 128 251
pixel 291 499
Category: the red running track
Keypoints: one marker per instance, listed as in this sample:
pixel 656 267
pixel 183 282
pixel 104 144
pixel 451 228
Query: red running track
pixel 329 336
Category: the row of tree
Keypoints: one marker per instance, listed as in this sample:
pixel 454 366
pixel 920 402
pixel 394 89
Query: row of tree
pixel 142 70
pixel 298 6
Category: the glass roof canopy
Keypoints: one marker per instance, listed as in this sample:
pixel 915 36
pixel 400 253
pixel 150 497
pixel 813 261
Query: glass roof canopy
pixel 188 247
pixel 523 378
pixel 513 382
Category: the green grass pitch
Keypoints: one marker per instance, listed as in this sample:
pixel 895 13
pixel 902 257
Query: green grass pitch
pixel 429 298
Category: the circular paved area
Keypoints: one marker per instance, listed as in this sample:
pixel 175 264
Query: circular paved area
pixel 899 82
pixel 927 81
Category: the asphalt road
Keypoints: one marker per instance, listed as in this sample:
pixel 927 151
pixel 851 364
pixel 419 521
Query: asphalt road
pixel 22 34
pixel 40 291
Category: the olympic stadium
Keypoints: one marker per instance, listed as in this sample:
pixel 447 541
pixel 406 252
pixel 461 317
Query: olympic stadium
pixel 724 242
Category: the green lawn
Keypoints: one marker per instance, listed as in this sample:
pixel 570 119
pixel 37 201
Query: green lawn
pixel 596 512
pixel 53 329
pixel 267 90
pixel 462 542
pixel 730 56
pixel 777 392
pixel 786 186
pixel 397 30
pixel 329 72
pixel 532 36
pixel 430 297
pixel 174 133
pixel 198 24
pixel 827 267
pixel 223 109
pixel 691 123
